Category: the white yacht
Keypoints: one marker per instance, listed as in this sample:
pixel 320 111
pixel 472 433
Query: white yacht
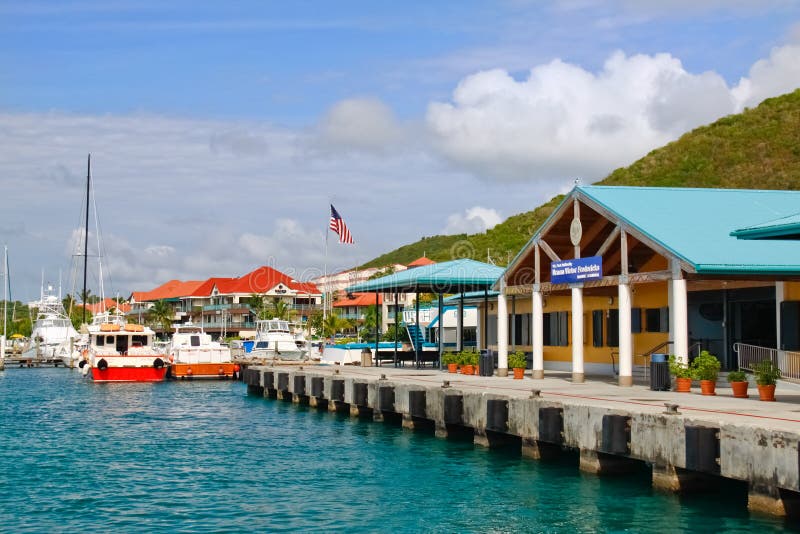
pixel 275 340
pixel 52 329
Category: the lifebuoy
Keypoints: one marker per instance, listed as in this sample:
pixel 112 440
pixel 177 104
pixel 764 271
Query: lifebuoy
pixel 102 364
pixel 158 363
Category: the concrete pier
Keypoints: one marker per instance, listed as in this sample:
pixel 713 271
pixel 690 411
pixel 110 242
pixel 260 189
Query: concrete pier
pixel 615 430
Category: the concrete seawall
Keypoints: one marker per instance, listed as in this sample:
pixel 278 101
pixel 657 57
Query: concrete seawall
pixel 688 450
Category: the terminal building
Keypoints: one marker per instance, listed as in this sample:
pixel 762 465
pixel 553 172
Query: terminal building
pixel 616 274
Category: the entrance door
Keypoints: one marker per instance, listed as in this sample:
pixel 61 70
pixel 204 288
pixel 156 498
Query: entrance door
pixel 718 319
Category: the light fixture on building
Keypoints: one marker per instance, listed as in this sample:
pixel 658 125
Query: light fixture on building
pixel 610 301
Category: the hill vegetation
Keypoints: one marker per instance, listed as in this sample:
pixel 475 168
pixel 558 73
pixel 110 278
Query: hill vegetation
pixel 756 149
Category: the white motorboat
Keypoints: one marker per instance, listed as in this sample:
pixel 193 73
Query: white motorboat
pixel 275 340
pixel 192 354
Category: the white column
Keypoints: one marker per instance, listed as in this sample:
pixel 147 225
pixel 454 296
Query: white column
pixel 502 333
pixel 779 296
pixel 577 334
pixel 537 336
pixel 625 337
pixel 460 325
pixel 680 327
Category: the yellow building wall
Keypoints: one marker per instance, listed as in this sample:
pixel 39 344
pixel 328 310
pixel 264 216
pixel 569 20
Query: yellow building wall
pixel 791 291
pixel 644 296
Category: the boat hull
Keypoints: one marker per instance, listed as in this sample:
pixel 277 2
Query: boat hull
pixel 202 370
pixel 129 374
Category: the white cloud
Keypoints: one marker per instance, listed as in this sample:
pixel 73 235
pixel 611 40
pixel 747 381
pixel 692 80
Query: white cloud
pixel 361 124
pixel 472 221
pixel 563 121
pixel 775 75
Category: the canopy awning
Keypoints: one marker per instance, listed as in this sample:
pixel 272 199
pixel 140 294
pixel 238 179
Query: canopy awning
pixel 456 276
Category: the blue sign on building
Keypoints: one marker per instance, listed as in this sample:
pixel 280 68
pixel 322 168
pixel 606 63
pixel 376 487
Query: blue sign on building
pixel 577 270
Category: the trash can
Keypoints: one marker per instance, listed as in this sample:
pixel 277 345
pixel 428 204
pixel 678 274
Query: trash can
pixel 659 373
pixel 366 357
pixel 487 363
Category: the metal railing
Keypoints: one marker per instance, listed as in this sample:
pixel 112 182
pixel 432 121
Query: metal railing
pixel 749 356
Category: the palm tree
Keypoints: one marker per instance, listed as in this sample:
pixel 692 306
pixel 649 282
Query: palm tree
pixel 257 305
pixel 280 309
pixel 370 321
pixel 333 324
pixel 161 315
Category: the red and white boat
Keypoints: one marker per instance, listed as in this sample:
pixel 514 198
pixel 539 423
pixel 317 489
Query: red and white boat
pixel 122 353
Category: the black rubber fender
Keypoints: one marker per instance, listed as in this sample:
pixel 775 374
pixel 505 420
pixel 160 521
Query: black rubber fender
pixel 82 364
pixel 102 364
pixel 158 363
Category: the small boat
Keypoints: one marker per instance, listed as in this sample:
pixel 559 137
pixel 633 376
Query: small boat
pixel 274 340
pixel 122 353
pixel 192 354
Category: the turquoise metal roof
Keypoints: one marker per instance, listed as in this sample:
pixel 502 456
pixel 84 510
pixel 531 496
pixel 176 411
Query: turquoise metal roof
pixel 447 277
pixel 784 227
pixel 696 224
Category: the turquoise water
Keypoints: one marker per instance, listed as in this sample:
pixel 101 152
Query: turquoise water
pixel 205 457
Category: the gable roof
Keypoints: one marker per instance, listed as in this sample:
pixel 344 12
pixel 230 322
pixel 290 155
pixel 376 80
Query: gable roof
pixel 358 299
pixel 259 280
pixel 694 225
pixel 105 305
pixel 446 277
pixel 421 261
pixel 167 290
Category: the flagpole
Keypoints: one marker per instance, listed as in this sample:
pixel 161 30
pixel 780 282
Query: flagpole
pixel 325 283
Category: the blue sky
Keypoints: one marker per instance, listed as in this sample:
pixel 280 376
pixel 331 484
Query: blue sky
pixel 230 126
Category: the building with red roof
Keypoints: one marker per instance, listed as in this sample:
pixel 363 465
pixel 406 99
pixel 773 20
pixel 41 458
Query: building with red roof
pixel 421 262
pixel 222 305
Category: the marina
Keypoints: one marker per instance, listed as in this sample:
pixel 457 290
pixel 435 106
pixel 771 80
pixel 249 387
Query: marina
pixel 205 455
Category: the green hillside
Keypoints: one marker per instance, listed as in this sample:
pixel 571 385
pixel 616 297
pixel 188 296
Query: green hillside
pixel 756 149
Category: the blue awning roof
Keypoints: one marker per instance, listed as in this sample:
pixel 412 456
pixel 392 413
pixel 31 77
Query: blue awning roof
pixel 781 228
pixel 454 276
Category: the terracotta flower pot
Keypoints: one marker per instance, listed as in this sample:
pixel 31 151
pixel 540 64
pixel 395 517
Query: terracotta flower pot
pixel 477 370
pixel 452 367
pixel 708 387
pixel 740 389
pixel 683 385
pixel 466 370
pixel 766 393
pixel 519 373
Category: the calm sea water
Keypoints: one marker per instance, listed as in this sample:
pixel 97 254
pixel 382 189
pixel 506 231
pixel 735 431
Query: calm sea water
pixel 206 457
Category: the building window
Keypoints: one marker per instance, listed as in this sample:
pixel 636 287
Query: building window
pixel 612 328
pixel 556 329
pixel 656 319
pixel 597 328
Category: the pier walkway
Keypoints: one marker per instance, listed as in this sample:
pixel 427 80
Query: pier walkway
pixel 689 439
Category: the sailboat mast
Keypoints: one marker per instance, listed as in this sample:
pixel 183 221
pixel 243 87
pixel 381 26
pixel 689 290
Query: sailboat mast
pixel 5 290
pixel 86 232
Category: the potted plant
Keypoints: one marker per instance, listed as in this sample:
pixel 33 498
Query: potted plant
pixel 518 363
pixel 705 368
pixel 450 359
pixel 682 374
pixel 466 363
pixel 767 373
pixel 738 381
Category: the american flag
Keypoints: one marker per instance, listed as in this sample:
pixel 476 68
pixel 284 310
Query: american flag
pixel 338 226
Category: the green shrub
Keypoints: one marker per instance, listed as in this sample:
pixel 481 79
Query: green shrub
pixel 705 366
pixel 767 373
pixel 678 369
pixel 737 376
pixel 517 360
pixel 450 357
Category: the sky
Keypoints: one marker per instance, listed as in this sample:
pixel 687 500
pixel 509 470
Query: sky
pixel 221 131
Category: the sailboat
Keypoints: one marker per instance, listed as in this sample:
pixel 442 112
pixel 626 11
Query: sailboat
pixel 116 351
